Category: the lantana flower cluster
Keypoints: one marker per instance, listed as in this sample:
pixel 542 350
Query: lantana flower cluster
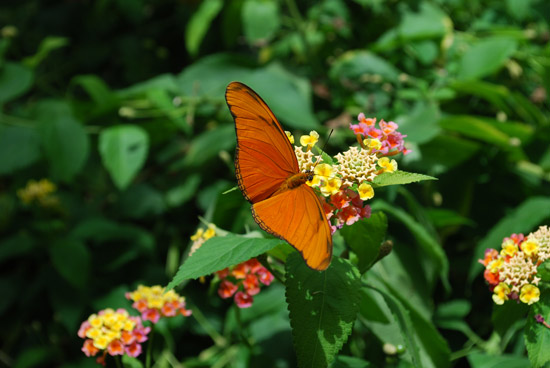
pixel 343 182
pixel 114 333
pixel 512 272
pixel 243 281
pixel 40 192
pixel 153 302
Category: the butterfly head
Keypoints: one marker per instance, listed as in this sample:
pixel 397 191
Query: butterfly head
pixel 309 175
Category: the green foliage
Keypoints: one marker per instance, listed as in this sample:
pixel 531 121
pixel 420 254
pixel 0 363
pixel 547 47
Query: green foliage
pixel 322 306
pixel 120 105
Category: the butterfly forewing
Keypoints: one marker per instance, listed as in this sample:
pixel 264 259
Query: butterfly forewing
pixel 264 157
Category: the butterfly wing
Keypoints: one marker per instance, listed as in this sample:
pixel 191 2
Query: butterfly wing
pixel 264 157
pixel 298 217
pixel 264 160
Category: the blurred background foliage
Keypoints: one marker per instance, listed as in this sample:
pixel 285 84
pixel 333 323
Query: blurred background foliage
pixel 120 105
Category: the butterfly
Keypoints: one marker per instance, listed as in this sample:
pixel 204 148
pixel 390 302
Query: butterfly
pixel 269 177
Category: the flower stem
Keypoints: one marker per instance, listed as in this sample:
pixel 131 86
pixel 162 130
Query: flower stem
pixel 150 348
pixel 118 362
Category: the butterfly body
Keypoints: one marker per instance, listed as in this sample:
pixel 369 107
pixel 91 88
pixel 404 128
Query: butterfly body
pixel 269 177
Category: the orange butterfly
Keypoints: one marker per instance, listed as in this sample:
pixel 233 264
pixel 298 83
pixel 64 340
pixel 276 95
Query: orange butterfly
pixel 269 176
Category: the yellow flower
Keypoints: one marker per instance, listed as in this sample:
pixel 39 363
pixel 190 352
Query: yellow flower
pixel 309 140
pixel 95 321
pixel 529 294
pixel 101 342
pixel 325 171
pixel 210 232
pixel 495 265
pixel 501 292
pixel 39 191
pixel 509 248
pixel 93 333
pixel 365 191
pixel 290 136
pixel 372 143
pixel 197 235
pixel 331 186
pixel 530 247
pixel 387 165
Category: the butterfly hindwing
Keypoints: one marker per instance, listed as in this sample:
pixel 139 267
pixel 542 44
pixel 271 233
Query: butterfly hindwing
pixel 297 216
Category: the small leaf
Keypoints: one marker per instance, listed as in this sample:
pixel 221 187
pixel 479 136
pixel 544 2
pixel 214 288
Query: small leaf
pixel 47 45
pixel 220 252
pixel 522 220
pixel 343 361
pixel 356 63
pixel 486 57
pixel 66 145
pixel 537 336
pixel 15 79
pixel 260 20
pixel 399 177
pixel 323 307
pixel 72 260
pixel 471 126
pixel 177 196
pixel 365 238
pixel 123 150
pixel 19 148
pixel 199 24
pixel 420 124
pixel 485 360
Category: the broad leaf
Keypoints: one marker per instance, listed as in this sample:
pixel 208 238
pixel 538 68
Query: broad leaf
pixel 486 57
pixel 399 177
pixel 15 79
pixel 19 148
pixel 123 150
pixel 220 252
pixel 72 260
pixel 485 360
pixel 66 145
pixel 323 308
pixel 260 20
pixel 365 238
pixel 523 219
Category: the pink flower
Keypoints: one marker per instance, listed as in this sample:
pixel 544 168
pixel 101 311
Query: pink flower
pixel 89 349
pixel 265 276
pixel 115 348
pixel 133 350
pixel 243 300
pixel 151 314
pixel 169 309
pixel 222 274
pixel 388 128
pixel 227 289
pixel 140 305
pixel 254 265
pixel 141 333
pixel 251 284
pixel 84 327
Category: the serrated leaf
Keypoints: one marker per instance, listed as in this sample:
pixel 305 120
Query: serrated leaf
pixel 123 150
pixel 399 177
pixel 365 238
pixel 522 220
pixel 220 252
pixel 537 336
pixel 323 307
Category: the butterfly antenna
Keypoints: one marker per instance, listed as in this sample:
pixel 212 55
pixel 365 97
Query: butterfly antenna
pixel 322 150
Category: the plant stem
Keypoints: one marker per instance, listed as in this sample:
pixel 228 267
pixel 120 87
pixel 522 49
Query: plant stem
pixel 150 348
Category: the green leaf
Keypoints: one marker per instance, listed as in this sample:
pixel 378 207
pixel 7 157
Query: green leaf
pixel 399 177
pixel 365 238
pixel 97 89
pixel 131 362
pixel 260 20
pixel 343 361
pixel 523 219
pixel 356 63
pixel 471 126
pixel 218 253
pixel 445 152
pixel 19 148
pixel 208 145
pixel 323 308
pixel 420 124
pixel 72 260
pixel 35 356
pixel 428 23
pixel 66 145
pixel 123 150
pixel 441 217
pixel 199 24
pixel 182 193
pixel 485 360
pixel 428 244
pixel 537 336
pixel 15 80
pixel 486 57
pixel 401 315
pixel 47 45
